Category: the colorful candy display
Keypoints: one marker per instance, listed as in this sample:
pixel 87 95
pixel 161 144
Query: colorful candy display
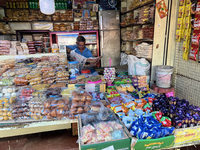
pixel 180 112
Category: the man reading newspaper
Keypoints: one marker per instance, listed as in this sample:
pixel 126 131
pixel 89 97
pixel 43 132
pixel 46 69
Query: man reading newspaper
pixel 80 53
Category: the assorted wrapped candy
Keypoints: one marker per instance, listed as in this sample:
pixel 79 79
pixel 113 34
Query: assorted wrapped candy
pixel 149 128
pixel 180 112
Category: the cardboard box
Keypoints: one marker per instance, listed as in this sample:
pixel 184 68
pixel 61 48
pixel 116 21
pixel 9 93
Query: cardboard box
pixel 121 144
pixel 186 135
pixel 149 144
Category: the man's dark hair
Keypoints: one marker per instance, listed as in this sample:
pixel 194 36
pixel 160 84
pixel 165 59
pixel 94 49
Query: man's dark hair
pixel 80 39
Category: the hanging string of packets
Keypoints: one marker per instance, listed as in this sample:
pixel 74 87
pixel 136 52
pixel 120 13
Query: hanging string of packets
pixel 183 29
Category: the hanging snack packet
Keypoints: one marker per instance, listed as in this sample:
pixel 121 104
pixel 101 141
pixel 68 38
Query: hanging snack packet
pixel 179 23
pixel 188 10
pixel 182 3
pixel 184 46
pixel 187 22
pixel 178 35
pixel 181 11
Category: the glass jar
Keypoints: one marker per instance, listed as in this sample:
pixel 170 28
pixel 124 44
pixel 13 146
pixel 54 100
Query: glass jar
pixel 73 68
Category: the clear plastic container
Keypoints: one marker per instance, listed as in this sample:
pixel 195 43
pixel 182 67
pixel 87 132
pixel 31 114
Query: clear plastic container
pixel 73 68
pixel 86 73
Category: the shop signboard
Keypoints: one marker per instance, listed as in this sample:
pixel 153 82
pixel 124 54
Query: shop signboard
pixel 149 144
pixel 187 135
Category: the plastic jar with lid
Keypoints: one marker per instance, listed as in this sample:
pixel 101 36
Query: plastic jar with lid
pixel 86 73
pixel 73 68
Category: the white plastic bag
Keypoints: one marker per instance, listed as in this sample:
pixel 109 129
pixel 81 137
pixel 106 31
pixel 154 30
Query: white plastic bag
pixel 124 59
pixel 47 7
pixel 136 66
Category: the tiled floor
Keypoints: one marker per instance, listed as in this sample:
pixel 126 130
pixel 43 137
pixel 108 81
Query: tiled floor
pixel 54 140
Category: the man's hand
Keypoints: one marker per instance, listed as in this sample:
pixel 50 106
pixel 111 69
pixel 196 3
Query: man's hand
pixel 68 50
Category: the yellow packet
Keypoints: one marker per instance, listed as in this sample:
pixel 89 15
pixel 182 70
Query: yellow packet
pixel 188 10
pixel 178 35
pixel 187 22
pixel 188 2
pixel 181 11
pixel 182 3
pixel 187 34
pixel 184 46
pixel 179 23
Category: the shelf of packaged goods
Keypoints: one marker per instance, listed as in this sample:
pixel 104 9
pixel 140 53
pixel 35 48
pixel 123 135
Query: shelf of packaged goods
pixel 32 9
pixel 139 40
pixel 135 24
pixel 148 3
pixel 40 21
pixel 4 57
pixel 25 127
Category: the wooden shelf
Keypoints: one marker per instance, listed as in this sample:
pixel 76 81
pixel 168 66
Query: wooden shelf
pixel 39 21
pixel 90 43
pixel 32 9
pixel 122 13
pixel 135 24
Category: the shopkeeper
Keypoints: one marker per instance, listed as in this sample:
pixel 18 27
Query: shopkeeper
pixel 80 48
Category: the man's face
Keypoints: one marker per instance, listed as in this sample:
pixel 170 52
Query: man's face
pixel 81 45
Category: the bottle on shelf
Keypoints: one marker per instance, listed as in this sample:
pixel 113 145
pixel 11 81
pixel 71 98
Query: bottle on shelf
pixel 14 4
pixel 65 4
pixel 69 4
pixel 7 4
pixel 30 3
pixel 36 4
pixel 10 4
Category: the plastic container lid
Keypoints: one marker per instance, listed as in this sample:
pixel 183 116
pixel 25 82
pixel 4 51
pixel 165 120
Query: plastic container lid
pixel 85 71
pixel 73 62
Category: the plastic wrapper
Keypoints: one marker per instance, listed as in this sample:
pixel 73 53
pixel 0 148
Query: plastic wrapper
pixel 48 74
pixel 20 110
pixel 40 87
pixel 25 94
pixel 56 108
pixel 7 81
pixel 9 73
pixel 61 74
pixel 20 80
pixel 23 71
pixel 46 69
pixel 53 92
pixel 100 132
pixel 33 75
pixel 58 85
pixel 36 106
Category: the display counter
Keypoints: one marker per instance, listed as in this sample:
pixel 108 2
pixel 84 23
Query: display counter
pixel 34 127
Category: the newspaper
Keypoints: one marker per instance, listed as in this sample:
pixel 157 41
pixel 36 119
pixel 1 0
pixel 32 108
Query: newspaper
pixel 84 62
